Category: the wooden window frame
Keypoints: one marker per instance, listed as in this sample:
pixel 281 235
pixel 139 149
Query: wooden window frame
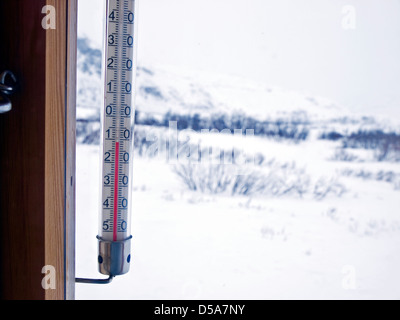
pixel 37 151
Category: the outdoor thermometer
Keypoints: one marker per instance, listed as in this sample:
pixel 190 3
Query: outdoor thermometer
pixel 114 237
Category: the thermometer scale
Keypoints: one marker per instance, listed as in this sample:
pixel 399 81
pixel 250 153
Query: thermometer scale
pixel 114 237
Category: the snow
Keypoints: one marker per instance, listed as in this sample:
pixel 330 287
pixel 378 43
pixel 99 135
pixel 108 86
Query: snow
pixel 213 92
pixel 189 245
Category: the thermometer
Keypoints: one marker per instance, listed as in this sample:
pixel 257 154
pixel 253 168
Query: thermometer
pixel 114 237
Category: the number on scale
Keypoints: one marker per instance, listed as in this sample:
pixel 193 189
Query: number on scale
pixel 129 41
pixel 107 157
pixel 106 204
pixel 126 157
pixel 124 225
pixel 109 86
pixel 109 110
pixel 127 134
pixel 124 203
pixel 108 134
pixel 107 180
pixel 129 64
pixel 130 17
pixel 106 226
pixel 111 39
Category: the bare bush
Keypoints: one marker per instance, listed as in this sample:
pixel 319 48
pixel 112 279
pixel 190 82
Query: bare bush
pixel 386 146
pixel 213 179
pixel 383 176
pixel 343 155
pixel 278 180
pixel 328 187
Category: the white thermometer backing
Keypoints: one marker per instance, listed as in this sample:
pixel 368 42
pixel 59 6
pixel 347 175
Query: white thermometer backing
pixel 117 138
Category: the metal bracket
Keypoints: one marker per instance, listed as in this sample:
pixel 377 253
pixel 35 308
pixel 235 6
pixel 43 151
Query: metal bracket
pixel 114 260
pixel 114 256
pixel 8 85
pixel 94 281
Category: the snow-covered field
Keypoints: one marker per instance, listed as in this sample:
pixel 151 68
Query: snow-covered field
pixel 194 245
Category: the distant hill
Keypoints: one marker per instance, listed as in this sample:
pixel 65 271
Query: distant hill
pixel 199 100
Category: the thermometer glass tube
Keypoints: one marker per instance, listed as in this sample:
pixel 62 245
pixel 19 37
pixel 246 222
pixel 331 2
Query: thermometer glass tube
pixel 117 138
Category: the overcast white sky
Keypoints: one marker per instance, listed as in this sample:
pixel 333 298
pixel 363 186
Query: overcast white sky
pixel 299 45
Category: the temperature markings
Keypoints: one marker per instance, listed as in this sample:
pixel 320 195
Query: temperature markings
pixel 127 64
pixel 113 39
pixel 118 121
pixel 112 87
pixel 107 204
pixel 108 225
pixel 114 15
pixel 111 111
pixel 112 63
pixel 108 157
pixel 126 111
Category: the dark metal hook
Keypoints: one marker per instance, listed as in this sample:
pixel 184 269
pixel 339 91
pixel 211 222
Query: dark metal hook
pixel 94 281
pixel 8 84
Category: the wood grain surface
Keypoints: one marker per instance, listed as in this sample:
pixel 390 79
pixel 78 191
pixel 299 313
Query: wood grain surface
pixel 37 150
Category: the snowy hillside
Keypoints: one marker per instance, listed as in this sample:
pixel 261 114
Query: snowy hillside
pixel 212 93
pixel 305 205
pixel 166 89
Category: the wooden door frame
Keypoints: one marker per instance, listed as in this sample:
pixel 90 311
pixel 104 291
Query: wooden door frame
pixel 37 150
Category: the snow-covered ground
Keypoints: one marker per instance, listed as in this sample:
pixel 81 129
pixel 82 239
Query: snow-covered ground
pixel 193 245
